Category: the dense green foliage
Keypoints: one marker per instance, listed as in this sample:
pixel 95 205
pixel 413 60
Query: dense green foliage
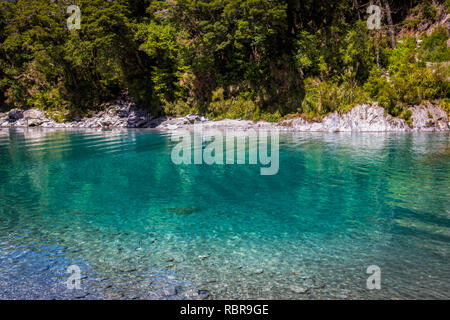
pixel 411 81
pixel 225 58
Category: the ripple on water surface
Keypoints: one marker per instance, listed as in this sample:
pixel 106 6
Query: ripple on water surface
pixel 139 226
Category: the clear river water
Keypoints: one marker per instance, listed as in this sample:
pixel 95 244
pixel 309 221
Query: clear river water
pixel 139 226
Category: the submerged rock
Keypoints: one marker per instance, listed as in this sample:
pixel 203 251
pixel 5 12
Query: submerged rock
pixel 203 294
pixel 299 290
pixel 186 210
pixel 257 271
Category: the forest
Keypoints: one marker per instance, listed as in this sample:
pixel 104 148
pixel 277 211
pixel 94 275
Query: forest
pixel 248 59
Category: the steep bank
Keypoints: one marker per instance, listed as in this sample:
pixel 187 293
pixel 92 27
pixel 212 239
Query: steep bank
pixel 271 59
pixel 123 114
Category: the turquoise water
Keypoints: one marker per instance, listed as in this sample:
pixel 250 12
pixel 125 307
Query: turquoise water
pixel 141 227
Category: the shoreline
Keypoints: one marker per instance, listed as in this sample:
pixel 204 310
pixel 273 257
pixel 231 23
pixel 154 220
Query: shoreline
pixel 124 115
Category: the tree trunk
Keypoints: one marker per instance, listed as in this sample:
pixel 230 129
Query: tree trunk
pixel 390 23
pixel 378 48
pixel 356 6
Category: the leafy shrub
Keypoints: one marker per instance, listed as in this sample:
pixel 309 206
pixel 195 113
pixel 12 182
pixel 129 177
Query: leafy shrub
pixel 426 10
pixel 382 91
pixel 412 81
pixel 407 114
pixel 240 107
pixel 415 83
pixel 445 104
pixel 323 97
pixel 434 47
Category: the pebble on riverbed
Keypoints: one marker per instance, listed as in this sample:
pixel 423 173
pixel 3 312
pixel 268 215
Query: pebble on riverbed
pixel 257 271
pixel 299 290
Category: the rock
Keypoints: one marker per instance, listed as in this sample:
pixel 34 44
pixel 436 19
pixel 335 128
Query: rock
pixel 15 114
pixel 34 117
pixel 3 119
pixel 171 291
pixel 211 281
pixel 429 118
pixel 363 118
pixel 82 296
pixel 422 27
pixel 192 118
pixel 182 210
pixel 203 294
pixel 172 126
pixel 34 122
pixel 257 271
pixel 124 114
pixel 155 122
pixel 299 290
pixel 33 114
pixel 116 296
pixel 106 122
pixel 141 123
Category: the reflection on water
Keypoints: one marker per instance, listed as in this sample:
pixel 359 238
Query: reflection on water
pixel 139 226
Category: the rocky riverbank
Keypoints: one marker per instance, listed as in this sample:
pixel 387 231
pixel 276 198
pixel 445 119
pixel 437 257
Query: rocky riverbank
pixel 124 114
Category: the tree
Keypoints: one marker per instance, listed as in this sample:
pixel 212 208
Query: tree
pixel 390 22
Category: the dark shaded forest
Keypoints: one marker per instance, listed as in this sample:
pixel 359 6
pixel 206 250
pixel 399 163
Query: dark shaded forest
pixel 251 59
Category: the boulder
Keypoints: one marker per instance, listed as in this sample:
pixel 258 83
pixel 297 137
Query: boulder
pixel 429 118
pixel 365 117
pixel 34 117
pixel 106 122
pixel 34 122
pixel 122 113
pixel 33 114
pixel 192 118
pixel 141 123
pixel 15 114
